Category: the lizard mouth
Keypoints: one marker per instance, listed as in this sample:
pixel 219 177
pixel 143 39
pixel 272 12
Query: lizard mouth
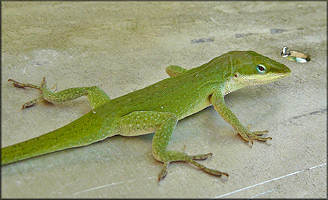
pixel 260 79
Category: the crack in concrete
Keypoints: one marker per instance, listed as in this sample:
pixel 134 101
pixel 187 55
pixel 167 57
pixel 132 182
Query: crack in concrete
pixel 274 179
pixel 322 110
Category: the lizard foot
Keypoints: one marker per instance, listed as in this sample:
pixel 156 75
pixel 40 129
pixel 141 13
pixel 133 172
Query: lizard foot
pixel 255 135
pixel 41 88
pixel 191 159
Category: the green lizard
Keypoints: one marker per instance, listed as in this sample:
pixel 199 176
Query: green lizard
pixel 156 108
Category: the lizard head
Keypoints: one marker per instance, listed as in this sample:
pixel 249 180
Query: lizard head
pixel 251 68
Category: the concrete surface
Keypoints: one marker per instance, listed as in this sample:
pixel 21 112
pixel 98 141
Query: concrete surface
pixel 123 47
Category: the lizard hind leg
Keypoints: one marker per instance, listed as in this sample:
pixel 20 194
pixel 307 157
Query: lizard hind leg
pixel 94 94
pixel 160 143
pixel 163 124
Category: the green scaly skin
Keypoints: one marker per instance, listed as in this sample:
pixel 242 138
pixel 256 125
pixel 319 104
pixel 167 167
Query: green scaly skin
pixel 156 108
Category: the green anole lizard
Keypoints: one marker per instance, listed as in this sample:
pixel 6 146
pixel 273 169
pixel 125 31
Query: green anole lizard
pixel 156 108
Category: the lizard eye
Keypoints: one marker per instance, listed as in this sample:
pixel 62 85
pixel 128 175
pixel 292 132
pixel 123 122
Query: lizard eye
pixel 261 69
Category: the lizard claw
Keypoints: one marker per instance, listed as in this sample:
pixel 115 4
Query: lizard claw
pixel 201 156
pixel 249 136
pixel 163 171
pixel 257 136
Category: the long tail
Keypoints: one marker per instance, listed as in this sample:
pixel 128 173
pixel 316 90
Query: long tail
pixel 78 133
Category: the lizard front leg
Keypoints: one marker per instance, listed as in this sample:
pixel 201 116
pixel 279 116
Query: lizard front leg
pixel 94 94
pixel 217 99
pixel 163 123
